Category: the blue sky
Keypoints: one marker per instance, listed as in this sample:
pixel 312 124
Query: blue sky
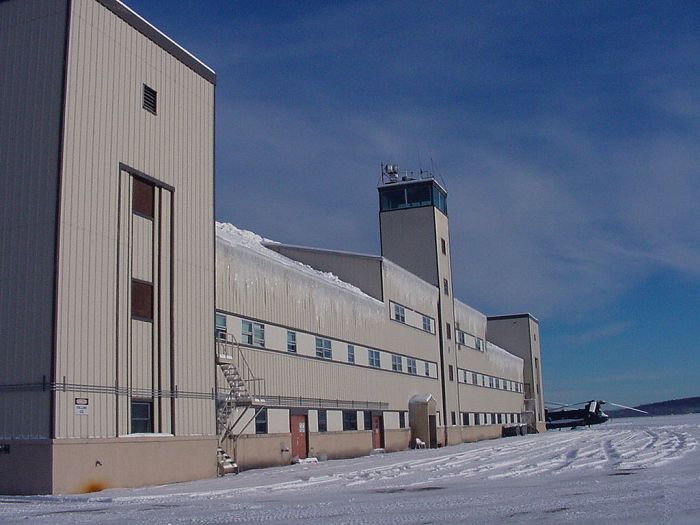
pixel 566 134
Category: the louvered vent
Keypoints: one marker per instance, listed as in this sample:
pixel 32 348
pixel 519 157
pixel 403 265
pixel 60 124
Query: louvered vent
pixel 150 99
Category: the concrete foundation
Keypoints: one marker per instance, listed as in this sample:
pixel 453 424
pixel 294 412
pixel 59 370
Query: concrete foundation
pixel 72 466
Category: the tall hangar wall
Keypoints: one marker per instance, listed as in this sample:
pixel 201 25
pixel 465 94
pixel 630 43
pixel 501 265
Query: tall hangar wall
pixel 115 229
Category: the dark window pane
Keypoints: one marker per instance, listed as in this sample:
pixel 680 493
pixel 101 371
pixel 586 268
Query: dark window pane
pixel 142 300
pixel 141 417
pixel 368 420
pixel 418 195
pixel 349 420
pixel 322 421
pixel 393 199
pixel 261 422
pixel 142 201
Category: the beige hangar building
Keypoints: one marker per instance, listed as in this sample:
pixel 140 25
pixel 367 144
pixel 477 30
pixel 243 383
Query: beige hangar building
pixel 141 342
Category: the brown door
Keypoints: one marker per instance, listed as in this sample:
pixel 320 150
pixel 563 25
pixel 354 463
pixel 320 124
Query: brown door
pixel 432 423
pixel 377 432
pixel 298 427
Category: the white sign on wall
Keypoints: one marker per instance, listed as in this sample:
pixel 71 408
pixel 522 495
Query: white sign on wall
pixel 81 407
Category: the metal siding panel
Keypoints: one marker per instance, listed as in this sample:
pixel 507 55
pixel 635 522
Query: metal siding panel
pixel 106 125
pixel 142 243
pixel 31 47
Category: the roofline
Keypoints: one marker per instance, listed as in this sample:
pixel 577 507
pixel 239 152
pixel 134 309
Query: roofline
pixel 272 245
pixel 154 34
pixel 512 316
pixel 412 181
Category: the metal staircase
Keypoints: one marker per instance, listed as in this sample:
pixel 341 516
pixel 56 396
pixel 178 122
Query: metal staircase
pixel 243 389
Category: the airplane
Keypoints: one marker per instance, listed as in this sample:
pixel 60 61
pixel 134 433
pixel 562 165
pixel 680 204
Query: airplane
pixel 591 414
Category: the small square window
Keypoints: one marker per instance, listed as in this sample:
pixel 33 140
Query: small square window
pixel 142 417
pixel 220 326
pixel 411 366
pixel 291 342
pixel 141 300
pixel 261 421
pixel 373 358
pixel 150 99
pixel 399 313
pixel 368 419
pixel 253 333
pixel 323 348
pixel 349 420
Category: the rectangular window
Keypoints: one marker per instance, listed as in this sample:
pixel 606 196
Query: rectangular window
pixel 476 419
pixel 396 363
pixel 220 326
pixel 399 313
pixel 474 378
pixel 351 354
pixel 411 366
pixel 453 418
pixel 141 416
pixel 373 357
pixel 141 300
pixel 368 419
pixel 323 348
pixel 349 420
pixel 450 372
pixel 261 422
pixel 460 337
pixel 291 342
pixel 402 419
pixel 443 246
pixel 490 382
pixel 427 324
pixel 446 287
pixel 253 333
pixel 150 99
pixel 449 331
pixel 142 198
pixel 465 419
pixel 322 421
pixel 479 344
pixel 427 369
pixel 497 383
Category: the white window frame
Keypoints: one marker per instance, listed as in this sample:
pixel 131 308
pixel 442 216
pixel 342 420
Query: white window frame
pixel 324 348
pixel 399 313
pixel 411 366
pixel 396 363
pixel 291 341
pixel 374 358
pixel 253 333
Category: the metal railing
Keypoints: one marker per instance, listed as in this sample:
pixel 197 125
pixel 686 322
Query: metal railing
pixel 229 351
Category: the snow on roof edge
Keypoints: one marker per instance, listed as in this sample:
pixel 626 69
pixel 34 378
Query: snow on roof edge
pixel 235 237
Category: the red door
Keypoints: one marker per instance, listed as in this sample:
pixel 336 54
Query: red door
pixel 377 434
pixel 298 427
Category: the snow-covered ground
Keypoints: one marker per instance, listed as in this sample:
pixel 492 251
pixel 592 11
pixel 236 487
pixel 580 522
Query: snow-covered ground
pixel 644 470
